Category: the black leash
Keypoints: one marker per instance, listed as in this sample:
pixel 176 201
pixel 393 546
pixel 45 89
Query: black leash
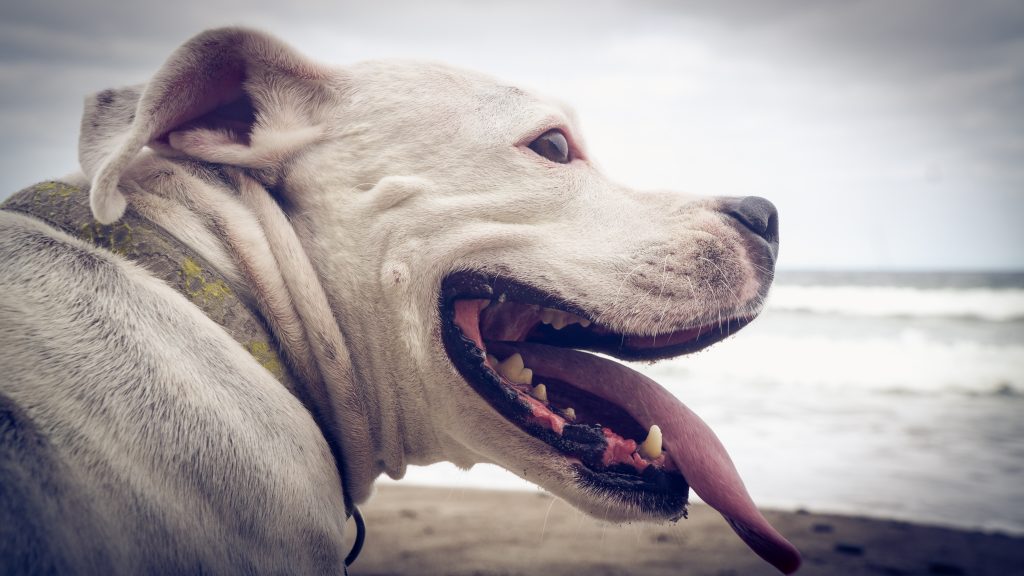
pixel 357 546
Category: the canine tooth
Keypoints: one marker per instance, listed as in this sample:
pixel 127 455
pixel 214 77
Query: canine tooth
pixel 584 322
pixel 569 413
pixel 511 367
pixel 560 321
pixel 540 392
pixel 651 448
pixel 546 315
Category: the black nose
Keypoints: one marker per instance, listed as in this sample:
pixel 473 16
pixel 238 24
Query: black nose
pixel 759 215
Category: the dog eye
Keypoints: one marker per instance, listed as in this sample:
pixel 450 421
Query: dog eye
pixel 553 146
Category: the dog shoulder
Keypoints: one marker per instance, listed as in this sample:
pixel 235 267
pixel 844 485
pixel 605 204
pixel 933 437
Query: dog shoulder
pixel 142 422
pixel 41 507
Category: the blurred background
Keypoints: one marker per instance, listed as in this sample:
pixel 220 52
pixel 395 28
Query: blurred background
pixel 886 377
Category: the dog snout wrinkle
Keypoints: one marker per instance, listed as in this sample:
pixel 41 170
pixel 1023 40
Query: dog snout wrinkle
pixel 759 216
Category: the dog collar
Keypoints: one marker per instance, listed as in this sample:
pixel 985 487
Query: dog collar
pixel 66 208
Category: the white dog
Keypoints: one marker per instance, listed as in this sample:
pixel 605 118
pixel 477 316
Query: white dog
pixel 301 277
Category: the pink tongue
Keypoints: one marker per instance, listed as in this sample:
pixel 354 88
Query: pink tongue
pixel 690 443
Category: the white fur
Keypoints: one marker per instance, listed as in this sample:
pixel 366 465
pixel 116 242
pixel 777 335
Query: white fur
pixel 356 191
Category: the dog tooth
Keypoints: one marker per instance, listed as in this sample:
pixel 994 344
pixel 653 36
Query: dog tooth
pixel 525 376
pixel 511 367
pixel 545 316
pixel 560 321
pixel 651 448
pixel 514 363
pixel 540 392
pixel 569 413
pixel 574 319
pixel 493 361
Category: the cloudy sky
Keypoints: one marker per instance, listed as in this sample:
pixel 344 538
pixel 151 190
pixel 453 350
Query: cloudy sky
pixel 889 133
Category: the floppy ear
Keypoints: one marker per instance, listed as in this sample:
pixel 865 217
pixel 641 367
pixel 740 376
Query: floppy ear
pixel 230 96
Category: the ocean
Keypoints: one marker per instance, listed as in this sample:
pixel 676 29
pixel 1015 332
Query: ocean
pixel 892 395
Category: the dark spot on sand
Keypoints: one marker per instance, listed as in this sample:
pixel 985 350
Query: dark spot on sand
pixel 849 549
pixel 822 528
pixel 945 569
pixel 888 570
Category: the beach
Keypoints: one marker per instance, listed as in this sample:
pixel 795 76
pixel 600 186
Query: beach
pixel 464 531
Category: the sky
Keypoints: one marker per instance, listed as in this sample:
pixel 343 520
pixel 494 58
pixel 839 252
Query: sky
pixel 889 134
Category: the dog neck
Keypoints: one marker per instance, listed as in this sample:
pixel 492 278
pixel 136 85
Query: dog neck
pixel 235 220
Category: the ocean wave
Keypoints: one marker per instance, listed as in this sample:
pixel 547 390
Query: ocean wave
pixel 820 366
pixel 985 304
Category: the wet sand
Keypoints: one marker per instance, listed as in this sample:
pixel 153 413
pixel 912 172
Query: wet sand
pixel 423 530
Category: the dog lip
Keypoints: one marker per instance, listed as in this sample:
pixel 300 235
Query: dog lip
pixel 679 343
pixel 470 284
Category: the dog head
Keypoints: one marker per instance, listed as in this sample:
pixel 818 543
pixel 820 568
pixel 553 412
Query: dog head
pixel 474 257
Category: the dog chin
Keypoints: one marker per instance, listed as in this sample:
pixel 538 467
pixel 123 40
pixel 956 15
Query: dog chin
pixel 569 480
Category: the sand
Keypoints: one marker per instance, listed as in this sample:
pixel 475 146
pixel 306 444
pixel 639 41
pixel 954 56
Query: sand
pixel 422 530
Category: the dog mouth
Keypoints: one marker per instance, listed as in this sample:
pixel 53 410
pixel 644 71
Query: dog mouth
pixel 530 356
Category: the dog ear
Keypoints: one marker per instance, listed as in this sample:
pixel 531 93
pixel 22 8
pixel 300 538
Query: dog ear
pixel 229 96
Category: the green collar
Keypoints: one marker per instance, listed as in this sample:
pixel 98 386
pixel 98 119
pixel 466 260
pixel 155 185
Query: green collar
pixel 66 208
